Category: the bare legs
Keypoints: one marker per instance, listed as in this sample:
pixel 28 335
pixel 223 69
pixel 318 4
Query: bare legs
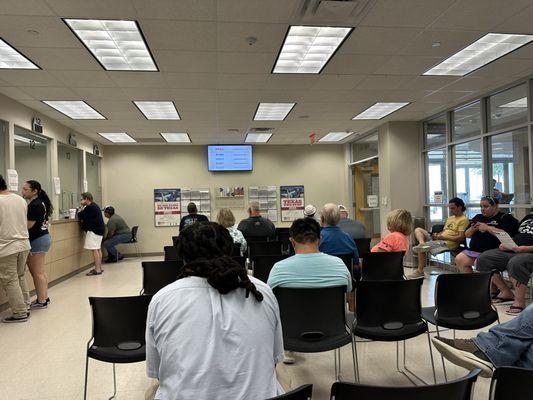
pixel 97 255
pixel 464 263
pixel 421 236
pixel 38 273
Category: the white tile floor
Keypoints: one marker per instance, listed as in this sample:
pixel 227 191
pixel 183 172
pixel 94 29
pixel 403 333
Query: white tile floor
pixel 44 358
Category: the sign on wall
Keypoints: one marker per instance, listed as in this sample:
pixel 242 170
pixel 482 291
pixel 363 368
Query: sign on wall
pixel 200 197
pixel 292 202
pixel 167 207
pixel 267 197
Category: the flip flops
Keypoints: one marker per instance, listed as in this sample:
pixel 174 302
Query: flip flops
pixel 94 272
pixel 514 310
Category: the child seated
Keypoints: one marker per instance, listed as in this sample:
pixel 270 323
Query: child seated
pixel 400 224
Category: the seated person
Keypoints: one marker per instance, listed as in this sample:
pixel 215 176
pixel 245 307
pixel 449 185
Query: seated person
pixel 310 211
pixel 215 333
pixel 352 227
pixel 117 232
pixel 192 217
pixel 226 218
pixel 518 262
pixel 255 226
pixel 509 344
pixel 481 232
pixel 333 240
pixel 400 225
pixel 449 239
pixel 308 267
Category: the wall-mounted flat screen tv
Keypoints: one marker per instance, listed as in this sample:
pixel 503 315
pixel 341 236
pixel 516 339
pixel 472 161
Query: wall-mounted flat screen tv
pixel 230 157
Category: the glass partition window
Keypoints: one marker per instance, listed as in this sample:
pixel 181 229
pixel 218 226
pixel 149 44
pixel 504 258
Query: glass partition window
pixel 509 162
pixel 68 159
pixel 365 148
pixel 3 133
pixel 508 108
pixel 436 176
pixel 32 158
pixel 468 171
pixel 94 184
pixel 466 121
pixel 435 132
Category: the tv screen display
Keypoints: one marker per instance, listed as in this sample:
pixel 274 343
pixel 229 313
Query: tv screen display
pixel 230 158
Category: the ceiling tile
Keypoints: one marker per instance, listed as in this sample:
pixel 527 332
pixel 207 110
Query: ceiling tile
pixel 15 93
pixel 104 9
pixel 167 80
pixel 26 7
pixel 253 63
pixel 93 93
pixel 242 81
pixel 182 10
pixel 62 58
pixel 336 82
pixel 440 43
pixel 52 32
pixel 185 61
pixel 408 65
pixel 354 64
pixel 233 36
pixel 383 82
pixel 84 78
pixel 257 10
pixel 376 40
pixel 51 93
pixel 427 82
pixel 185 35
pixel 29 78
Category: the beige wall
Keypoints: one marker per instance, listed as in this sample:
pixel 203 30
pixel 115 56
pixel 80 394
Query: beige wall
pixel 132 172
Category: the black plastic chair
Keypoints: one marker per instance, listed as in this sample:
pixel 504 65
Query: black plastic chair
pixel 347 259
pixel 390 311
pixel 460 389
pixel 236 251
pixel 133 240
pixel 304 392
pixel 262 265
pixel 158 274
pixel 382 266
pixel 313 320
pixel 363 246
pixel 272 248
pixel 511 383
pixel 171 253
pixel 463 302
pixel 118 332
pixel 174 240
pixel 282 235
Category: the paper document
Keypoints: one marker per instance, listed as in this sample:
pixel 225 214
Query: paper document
pixel 505 240
pixel 12 180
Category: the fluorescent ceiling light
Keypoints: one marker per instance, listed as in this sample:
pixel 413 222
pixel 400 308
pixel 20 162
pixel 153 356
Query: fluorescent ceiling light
pixel 76 109
pixel 307 49
pixel 519 103
pixel 13 59
pixel 273 111
pixel 380 110
pixel 176 137
pixel 118 137
pixel 483 51
pixel 117 45
pixel 257 137
pixel 158 109
pixel 335 136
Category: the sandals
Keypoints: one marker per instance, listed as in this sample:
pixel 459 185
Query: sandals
pixel 514 310
pixel 501 300
pixel 94 272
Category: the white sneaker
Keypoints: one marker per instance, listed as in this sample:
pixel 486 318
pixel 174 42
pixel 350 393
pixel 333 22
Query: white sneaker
pixel 416 275
pixel 288 357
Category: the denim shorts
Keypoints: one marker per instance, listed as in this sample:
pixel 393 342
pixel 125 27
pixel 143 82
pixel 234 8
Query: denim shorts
pixel 41 244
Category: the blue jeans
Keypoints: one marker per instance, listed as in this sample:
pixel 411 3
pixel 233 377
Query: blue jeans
pixel 110 243
pixel 511 343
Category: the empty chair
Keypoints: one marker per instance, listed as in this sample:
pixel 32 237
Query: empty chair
pixel 158 274
pixel 271 248
pixel 460 389
pixel 382 266
pixel 511 383
pixel 390 311
pixel 363 246
pixel 262 265
pixel 118 333
pixel 171 253
pixel 304 392
pixel 174 240
pixel 313 320
pixel 462 301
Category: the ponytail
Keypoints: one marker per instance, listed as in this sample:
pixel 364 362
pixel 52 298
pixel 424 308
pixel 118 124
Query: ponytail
pixel 41 194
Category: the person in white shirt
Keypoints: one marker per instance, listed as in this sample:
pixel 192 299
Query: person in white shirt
pixel 215 333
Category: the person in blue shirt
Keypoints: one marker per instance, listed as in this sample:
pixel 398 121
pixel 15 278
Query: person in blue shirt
pixel 333 240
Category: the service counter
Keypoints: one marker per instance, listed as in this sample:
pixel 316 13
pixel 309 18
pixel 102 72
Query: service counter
pixel 66 256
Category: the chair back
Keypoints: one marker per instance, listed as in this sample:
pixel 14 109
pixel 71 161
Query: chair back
pixel 262 265
pixel 175 240
pixel 171 253
pixel 304 392
pixel 388 304
pixel 271 248
pixel 240 260
pixel 158 274
pixel 236 250
pixel 118 320
pixel 463 301
pixel 134 234
pixel 382 266
pixel 363 246
pixel 459 389
pixel 282 235
pixel 347 259
pixel 511 383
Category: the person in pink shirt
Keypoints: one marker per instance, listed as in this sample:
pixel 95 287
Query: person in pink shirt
pixel 399 224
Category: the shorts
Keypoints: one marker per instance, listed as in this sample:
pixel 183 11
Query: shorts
pixel 41 244
pixel 471 253
pixel 436 246
pixel 93 241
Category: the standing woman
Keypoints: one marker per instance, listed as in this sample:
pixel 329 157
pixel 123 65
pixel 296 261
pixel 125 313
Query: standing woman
pixel 39 210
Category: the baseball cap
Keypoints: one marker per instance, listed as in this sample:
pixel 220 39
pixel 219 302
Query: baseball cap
pixel 342 208
pixel 109 209
pixel 309 210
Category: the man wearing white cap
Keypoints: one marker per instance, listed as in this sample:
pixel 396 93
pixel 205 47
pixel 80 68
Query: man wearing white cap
pixel 310 212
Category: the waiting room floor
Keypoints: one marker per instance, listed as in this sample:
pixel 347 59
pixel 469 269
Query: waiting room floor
pixel 44 358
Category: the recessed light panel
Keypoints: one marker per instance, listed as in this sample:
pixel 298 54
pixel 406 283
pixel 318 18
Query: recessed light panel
pixel 118 137
pixel 12 59
pixel 307 49
pixel 74 109
pixel 380 110
pixel 335 136
pixel 273 111
pixel 158 109
pixel 483 51
pixel 257 137
pixel 176 137
pixel 117 45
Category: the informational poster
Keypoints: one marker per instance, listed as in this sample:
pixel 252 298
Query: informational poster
pixel 292 202
pixel 267 197
pixel 372 200
pixel 230 192
pixel 12 180
pixel 167 207
pixel 57 185
pixel 200 197
pixel 438 197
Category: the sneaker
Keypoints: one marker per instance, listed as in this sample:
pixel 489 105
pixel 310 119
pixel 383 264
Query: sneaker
pixel 110 260
pixel 421 248
pixel 288 357
pixel 120 257
pixel 35 304
pixel 465 353
pixel 16 319
pixel 416 275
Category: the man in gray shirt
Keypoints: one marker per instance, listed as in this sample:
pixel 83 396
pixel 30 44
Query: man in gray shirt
pixel 352 227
